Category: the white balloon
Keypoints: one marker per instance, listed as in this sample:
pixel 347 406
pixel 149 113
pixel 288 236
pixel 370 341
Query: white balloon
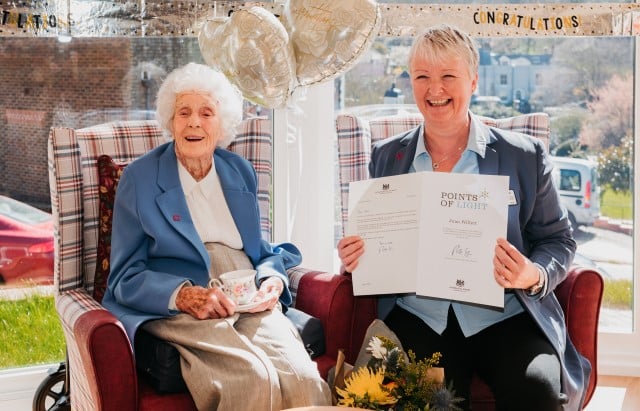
pixel 328 36
pixel 252 48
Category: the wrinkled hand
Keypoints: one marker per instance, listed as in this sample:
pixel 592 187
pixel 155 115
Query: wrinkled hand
pixel 270 291
pixel 204 303
pixel 350 249
pixel 511 269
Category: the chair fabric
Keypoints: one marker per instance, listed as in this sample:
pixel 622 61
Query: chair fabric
pixel 74 156
pixel 580 295
pixel 100 357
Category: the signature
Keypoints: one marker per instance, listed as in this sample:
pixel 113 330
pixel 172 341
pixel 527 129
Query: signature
pixel 385 247
pixel 460 251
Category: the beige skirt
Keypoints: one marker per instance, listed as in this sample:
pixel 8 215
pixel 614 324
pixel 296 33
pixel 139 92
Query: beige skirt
pixel 252 361
pixel 224 258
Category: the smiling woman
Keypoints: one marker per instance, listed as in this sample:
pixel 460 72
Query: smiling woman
pixel 185 213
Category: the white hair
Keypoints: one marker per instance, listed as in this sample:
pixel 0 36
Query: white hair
pixel 203 79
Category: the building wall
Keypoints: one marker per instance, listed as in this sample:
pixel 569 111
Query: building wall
pixel 519 77
pixel 46 83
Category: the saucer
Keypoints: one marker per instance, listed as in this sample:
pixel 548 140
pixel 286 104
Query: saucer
pixel 243 308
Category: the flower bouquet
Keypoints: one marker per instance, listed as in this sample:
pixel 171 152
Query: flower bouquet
pixel 394 380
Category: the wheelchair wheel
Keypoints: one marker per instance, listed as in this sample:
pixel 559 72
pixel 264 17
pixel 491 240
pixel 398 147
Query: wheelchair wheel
pixel 53 392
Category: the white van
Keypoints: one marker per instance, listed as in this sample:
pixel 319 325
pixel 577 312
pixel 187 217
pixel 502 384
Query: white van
pixel 577 183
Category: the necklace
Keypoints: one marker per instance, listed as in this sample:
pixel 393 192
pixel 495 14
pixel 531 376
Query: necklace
pixel 436 164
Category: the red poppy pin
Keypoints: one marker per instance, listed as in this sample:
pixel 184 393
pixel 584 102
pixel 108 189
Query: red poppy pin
pixel 176 217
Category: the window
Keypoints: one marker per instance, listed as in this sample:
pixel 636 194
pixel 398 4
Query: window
pixel 569 180
pixel 578 80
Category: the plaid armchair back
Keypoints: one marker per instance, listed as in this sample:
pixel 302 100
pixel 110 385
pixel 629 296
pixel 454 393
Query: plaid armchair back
pixel 73 180
pixel 356 136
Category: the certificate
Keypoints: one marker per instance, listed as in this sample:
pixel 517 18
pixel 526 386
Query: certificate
pixel 429 233
pixel 385 213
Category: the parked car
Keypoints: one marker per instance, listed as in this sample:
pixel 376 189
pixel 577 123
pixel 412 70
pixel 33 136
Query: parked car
pixel 26 244
pixel 577 182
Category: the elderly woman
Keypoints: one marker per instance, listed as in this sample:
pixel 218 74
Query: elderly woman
pixel 186 212
pixel 523 352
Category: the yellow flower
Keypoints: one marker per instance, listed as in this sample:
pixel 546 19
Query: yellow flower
pixel 365 386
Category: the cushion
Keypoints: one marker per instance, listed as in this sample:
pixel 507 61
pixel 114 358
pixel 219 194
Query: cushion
pixel 157 360
pixel 109 173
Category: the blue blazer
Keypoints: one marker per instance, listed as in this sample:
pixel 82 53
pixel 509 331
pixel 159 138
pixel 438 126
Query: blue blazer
pixel 154 244
pixel 538 226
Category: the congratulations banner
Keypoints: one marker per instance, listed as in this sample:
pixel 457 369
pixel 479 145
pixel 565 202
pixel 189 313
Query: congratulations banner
pixel 515 20
pixel 97 18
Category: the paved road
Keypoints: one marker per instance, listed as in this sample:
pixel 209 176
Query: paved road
pixel 610 250
pixel 16 293
pixel 612 253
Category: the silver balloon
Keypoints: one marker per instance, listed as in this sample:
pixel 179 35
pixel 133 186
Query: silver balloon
pixel 252 48
pixel 328 36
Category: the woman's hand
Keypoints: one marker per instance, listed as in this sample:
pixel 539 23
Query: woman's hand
pixel 350 249
pixel 204 303
pixel 269 293
pixel 511 269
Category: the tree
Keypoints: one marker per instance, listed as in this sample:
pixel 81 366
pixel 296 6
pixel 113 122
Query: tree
pixel 611 114
pixel 565 129
pixel 591 62
pixel 614 165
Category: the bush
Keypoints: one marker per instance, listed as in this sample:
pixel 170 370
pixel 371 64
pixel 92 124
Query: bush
pixel 614 166
pixel 617 294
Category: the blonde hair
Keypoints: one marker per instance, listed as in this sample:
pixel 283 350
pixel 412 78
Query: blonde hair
pixel 202 79
pixel 439 42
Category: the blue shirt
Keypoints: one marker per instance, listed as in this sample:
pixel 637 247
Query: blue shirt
pixel 472 318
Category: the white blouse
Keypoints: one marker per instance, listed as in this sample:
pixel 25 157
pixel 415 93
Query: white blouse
pixel 209 210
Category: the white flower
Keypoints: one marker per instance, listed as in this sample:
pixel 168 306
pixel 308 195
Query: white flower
pixel 376 349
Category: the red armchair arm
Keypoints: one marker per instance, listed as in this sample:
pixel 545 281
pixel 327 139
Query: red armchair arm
pixel 365 310
pixel 580 296
pixel 344 317
pixel 97 345
pixel 102 369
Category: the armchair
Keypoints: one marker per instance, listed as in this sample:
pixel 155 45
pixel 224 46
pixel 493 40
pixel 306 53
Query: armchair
pixel 580 294
pixel 100 360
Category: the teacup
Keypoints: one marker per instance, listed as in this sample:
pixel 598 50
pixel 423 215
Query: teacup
pixel 239 285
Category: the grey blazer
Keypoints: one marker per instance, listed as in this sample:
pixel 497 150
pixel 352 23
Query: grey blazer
pixel 538 226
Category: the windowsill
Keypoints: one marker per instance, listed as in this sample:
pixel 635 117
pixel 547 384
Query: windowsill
pixel 18 386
